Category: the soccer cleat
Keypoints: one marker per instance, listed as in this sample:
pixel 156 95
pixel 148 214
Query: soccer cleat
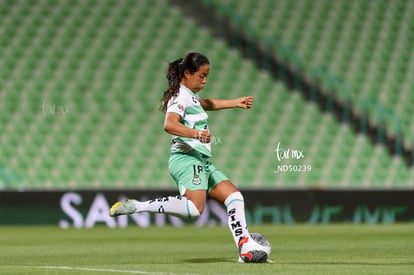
pixel 123 208
pixel 242 241
pixel 252 252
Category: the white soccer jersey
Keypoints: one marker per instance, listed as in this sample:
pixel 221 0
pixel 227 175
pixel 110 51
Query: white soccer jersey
pixel 188 106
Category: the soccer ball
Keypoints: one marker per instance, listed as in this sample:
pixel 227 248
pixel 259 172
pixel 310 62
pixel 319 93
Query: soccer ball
pixel 255 249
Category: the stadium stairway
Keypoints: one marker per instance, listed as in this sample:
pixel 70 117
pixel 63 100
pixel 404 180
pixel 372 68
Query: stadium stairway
pixel 363 48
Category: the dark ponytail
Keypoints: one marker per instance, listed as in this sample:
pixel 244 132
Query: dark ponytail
pixel 174 75
pixel 175 72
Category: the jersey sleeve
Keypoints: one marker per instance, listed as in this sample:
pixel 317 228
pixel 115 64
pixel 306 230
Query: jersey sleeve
pixel 177 105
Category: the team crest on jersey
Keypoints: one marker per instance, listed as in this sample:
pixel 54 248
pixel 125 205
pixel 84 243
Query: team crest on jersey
pixel 196 180
pixel 180 107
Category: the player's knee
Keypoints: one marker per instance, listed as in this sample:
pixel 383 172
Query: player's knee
pixel 194 209
pixel 197 200
pixel 200 208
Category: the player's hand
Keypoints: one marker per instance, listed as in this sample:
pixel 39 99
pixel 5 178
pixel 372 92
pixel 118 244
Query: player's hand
pixel 244 102
pixel 203 136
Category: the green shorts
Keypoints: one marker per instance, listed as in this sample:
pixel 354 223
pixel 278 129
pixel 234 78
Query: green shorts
pixel 194 171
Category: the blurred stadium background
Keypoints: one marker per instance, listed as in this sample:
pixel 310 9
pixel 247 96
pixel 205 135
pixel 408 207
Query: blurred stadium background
pixel 81 81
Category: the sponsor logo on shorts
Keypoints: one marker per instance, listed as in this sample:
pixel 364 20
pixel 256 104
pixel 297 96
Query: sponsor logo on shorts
pixel 196 180
pixel 197 170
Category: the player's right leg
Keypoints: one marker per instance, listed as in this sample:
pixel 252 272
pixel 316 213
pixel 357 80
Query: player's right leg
pixel 173 205
pixel 192 182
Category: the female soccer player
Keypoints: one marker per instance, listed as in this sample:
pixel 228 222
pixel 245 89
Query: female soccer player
pixel 189 164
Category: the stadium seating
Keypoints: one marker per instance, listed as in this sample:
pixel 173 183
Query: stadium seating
pixel 81 82
pixel 364 48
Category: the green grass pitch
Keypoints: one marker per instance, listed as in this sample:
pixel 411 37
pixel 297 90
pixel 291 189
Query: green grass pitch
pixel 296 249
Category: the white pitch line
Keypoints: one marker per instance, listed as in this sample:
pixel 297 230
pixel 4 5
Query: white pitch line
pixel 97 269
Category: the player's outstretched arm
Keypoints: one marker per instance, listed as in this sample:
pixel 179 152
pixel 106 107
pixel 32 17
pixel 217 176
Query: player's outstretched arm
pixel 244 102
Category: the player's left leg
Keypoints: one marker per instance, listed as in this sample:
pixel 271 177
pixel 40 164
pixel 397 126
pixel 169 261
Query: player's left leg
pixel 225 192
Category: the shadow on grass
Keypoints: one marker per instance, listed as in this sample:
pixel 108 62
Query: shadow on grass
pixel 208 260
